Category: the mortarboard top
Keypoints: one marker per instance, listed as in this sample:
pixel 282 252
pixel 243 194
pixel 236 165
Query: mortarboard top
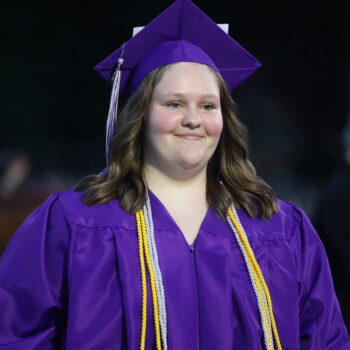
pixel 182 32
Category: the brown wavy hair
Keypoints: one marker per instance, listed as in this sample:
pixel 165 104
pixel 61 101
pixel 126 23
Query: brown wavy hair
pixel 231 177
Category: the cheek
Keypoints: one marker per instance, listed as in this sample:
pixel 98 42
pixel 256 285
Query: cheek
pixel 162 123
pixel 214 126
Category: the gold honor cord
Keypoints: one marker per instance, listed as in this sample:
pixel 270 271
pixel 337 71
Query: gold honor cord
pixel 258 290
pixel 143 280
pixel 257 272
pixel 143 240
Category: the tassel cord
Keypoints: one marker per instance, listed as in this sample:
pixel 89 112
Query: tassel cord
pixel 113 108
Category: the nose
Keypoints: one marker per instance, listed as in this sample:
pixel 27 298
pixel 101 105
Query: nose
pixel 191 119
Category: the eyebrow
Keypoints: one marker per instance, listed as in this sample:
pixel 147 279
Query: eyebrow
pixel 178 94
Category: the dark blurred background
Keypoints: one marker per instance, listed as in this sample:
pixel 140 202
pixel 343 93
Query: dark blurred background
pixel 54 107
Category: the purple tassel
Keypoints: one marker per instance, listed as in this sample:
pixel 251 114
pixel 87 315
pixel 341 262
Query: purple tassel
pixel 113 110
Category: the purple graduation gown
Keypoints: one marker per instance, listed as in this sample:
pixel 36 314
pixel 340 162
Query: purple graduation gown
pixel 70 279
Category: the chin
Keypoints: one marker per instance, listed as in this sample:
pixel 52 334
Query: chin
pixel 194 160
pixel 192 163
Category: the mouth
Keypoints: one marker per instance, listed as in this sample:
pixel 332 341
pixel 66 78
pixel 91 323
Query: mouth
pixel 190 137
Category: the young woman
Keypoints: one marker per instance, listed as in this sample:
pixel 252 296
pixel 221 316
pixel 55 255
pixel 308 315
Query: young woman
pixel 177 244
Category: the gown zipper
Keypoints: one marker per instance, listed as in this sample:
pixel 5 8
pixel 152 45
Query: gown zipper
pixel 193 252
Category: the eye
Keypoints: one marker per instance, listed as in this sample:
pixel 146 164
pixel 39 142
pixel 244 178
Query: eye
pixel 173 104
pixel 208 106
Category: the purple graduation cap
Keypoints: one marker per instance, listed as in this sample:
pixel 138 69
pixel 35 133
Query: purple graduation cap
pixel 181 33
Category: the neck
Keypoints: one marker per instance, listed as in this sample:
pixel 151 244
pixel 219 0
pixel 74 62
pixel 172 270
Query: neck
pixel 184 186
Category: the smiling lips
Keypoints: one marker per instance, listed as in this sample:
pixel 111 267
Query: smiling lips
pixel 190 136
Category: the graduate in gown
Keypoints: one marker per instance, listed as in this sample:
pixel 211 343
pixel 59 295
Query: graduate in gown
pixel 177 244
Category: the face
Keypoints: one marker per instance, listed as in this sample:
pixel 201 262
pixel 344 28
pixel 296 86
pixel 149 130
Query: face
pixel 184 120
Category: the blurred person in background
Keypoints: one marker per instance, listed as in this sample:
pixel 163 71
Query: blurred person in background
pixel 333 224
pixel 23 186
pixel 15 167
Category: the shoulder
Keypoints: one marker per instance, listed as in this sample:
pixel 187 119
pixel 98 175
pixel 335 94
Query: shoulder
pixel 76 212
pixel 282 225
pixel 291 214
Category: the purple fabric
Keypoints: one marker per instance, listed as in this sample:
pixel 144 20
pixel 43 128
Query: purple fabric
pixel 166 53
pixel 70 276
pixel 181 21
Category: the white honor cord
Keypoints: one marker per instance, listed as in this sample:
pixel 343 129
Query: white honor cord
pixel 158 276
pixel 267 331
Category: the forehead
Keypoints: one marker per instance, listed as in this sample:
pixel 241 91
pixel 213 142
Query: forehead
pixel 188 77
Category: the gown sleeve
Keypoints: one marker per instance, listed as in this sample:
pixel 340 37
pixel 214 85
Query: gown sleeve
pixel 321 322
pixel 33 281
